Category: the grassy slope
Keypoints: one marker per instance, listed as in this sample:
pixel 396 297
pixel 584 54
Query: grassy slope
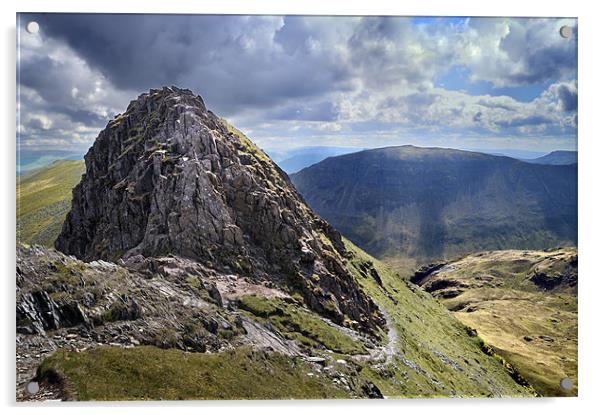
pixel 513 315
pixel 447 360
pixel 43 200
pixel 433 355
pixel 149 373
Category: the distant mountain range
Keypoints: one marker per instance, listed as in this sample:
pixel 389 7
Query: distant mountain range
pixel 557 158
pixel 294 160
pixel 434 203
pixel 33 160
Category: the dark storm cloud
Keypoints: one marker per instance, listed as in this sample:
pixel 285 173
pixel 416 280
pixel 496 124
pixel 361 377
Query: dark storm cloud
pixel 525 121
pixel 232 61
pixel 55 89
pixel 47 77
pixel 567 97
pixel 543 65
pixel 133 51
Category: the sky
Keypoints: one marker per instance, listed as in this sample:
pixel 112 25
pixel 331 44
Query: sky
pixel 299 81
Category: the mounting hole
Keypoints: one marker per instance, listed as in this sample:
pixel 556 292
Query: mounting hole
pixel 32 27
pixel 566 32
pixel 32 388
pixel 566 384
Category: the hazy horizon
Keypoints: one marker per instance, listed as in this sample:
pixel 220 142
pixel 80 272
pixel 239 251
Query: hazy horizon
pixel 41 159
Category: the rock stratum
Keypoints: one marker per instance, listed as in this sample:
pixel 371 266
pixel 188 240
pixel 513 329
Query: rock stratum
pixel 170 177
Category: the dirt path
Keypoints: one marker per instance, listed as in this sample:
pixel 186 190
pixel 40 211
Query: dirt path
pixel 390 350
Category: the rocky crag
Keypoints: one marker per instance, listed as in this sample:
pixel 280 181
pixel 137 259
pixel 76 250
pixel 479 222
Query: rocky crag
pixel 64 303
pixel 170 177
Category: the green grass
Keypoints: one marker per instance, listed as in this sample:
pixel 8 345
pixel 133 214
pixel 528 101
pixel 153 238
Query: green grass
pixel 44 199
pixel 441 358
pixel 299 324
pixel 149 373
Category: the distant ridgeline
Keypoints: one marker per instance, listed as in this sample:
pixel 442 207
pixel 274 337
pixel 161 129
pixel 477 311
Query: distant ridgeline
pixel 432 203
pixel 557 158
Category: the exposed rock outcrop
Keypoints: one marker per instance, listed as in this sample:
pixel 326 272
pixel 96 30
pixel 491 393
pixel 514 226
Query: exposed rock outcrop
pixel 108 303
pixel 559 275
pixel 38 312
pixel 170 177
pixel 426 270
pixel 167 302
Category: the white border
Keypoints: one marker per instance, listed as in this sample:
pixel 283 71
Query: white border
pixel 590 231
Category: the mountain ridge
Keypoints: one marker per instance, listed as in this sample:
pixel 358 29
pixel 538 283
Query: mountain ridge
pixel 558 157
pixel 433 202
pixel 44 199
pixel 523 304
pixel 298 159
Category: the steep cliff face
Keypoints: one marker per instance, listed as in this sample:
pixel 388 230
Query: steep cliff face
pixel 170 177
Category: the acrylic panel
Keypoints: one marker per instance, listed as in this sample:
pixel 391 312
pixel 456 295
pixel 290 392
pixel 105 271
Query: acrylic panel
pixel 222 207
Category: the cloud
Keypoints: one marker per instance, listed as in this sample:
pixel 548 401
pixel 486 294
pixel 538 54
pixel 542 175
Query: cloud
pixel 518 51
pixel 63 101
pixel 439 110
pixel 561 97
pixel 234 61
pixel 297 75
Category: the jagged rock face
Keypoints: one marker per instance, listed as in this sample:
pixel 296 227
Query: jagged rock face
pixel 107 303
pixel 170 177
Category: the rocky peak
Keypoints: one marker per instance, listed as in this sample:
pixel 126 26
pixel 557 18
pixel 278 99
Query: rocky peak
pixel 169 177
